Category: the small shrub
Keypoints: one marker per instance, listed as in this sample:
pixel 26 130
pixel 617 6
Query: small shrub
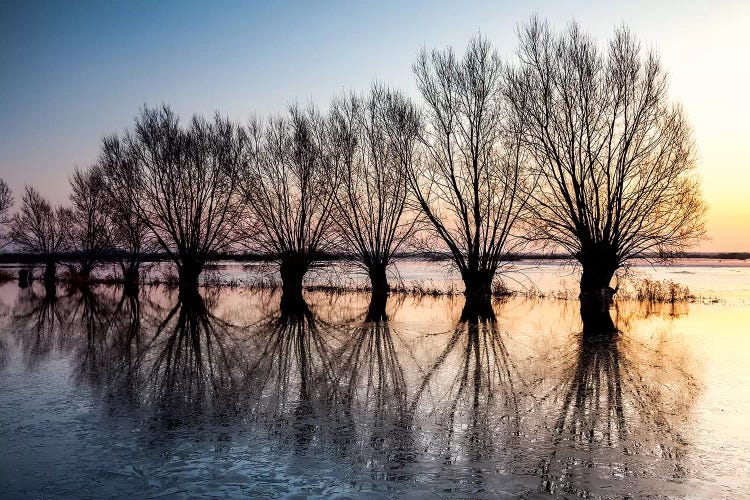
pixel 500 289
pixel 662 291
pixel 6 276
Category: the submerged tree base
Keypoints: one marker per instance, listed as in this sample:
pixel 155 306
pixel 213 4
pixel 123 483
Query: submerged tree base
pixel 376 308
pixel 596 319
pixel 293 309
pixel 379 281
pixel 478 285
pixel 477 310
pixel 189 279
pixel 292 270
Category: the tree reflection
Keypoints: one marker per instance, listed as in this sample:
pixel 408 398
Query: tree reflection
pixel 127 340
pixel 336 380
pixel 292 372
pixel 619 405
pixel 472 388
pixel 89 314
pixel 376 308
pixel 181 361
pixel 596 319
pixel 193 363
pixel 372 391
pixel 37 321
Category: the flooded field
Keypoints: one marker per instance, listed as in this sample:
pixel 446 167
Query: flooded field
pixel 234 391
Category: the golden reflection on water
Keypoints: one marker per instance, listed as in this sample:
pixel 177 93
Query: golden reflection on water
pixel 431 390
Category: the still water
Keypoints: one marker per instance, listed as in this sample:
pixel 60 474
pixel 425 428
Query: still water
pixel 234 391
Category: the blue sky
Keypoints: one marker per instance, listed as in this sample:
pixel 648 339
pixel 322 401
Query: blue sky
pixel 71 72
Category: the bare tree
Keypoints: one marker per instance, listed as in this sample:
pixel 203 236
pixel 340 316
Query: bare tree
pixel 614 156
pixel 470 178
pixel 6 201
pixel 87 223
pixel 37 229
pixel 290 188
pixel 130 235
pixel 183 182
pixel 374 135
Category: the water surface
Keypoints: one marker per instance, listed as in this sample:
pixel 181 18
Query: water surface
pixel 234 391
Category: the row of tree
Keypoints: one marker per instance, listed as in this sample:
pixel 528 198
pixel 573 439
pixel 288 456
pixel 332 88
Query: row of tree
pixel 572 146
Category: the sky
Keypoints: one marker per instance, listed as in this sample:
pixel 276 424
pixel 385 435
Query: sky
pixel 72 72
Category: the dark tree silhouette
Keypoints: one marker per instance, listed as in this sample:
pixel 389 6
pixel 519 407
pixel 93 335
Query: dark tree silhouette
pixel 613 155
pixel 130 234
pixel 183 183
pixel 469 181
pixel 6 202
pixel 87 222
pixel 37 229
pixel 290 188
pixel 375 133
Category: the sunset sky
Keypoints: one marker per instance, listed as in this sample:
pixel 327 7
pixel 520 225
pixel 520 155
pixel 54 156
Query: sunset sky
pixel 71 72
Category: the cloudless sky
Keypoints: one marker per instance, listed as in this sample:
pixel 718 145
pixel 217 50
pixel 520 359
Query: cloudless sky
pixel 71 72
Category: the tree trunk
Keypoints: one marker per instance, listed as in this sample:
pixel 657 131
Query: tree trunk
pixel 50 289
pixel 477 310
pixel 189 271
pixel 50 278
pixel 599 266
pixel 376 309
pixel 24 278
pixel 597 322
pixel 379 280
pixel 50 272
pixel 131 284
pixel 478 284
pixel 83 273
pixel 294 311
pixel 192 309
pixel 130 273
pixel 293 269
pixel 130 277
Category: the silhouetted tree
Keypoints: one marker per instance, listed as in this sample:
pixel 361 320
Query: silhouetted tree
pixel 375 134
pixel 130 235
pixel 6 201
pixel 87 223
pixel 37 229
pixel 290 188
pixel 469 181
pixel 183 182
pixel 613 155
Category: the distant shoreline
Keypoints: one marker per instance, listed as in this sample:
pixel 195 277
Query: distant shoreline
pixel 25 258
